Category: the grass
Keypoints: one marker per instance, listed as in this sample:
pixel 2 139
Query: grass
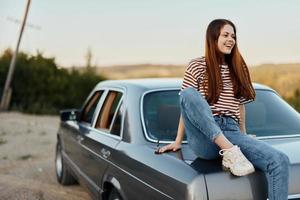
pixel 25 157
pixel 2 141
pixel 42 133
pixel 3 133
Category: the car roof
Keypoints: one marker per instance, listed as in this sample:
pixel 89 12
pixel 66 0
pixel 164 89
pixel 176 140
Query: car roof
pixel 155 83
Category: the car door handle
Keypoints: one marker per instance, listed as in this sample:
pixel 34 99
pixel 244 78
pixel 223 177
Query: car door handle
pixel 105 153
pixel 79 138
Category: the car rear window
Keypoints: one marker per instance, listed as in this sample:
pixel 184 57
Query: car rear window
pixel 268 115
pixel 161 114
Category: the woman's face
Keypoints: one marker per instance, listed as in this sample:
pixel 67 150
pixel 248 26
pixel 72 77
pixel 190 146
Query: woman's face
pixel 226 40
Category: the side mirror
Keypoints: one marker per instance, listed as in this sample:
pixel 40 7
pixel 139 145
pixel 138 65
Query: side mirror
pixel 69 115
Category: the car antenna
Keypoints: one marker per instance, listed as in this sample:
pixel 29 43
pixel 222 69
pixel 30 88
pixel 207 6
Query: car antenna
pixel 157 147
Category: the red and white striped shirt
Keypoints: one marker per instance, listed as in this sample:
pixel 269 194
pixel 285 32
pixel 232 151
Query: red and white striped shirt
pixel 227 103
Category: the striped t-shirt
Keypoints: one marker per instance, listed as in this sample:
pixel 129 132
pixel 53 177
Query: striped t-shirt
pixel 227 103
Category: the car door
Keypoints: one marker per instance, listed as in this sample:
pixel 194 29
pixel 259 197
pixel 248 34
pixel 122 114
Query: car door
pixel 99 142
pixel 73 130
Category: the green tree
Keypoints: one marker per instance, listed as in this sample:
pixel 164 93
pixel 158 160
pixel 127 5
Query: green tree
pixel 40 87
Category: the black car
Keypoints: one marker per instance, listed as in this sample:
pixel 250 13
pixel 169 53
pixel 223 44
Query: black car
pixel 109 145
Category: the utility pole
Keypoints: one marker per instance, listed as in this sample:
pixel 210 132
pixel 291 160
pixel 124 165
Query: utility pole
pixel 7 91
pixel 89 57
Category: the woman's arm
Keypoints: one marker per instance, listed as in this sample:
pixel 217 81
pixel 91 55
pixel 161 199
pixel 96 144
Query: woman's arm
pixel 242 119
pixel 177 144
pixel 180 131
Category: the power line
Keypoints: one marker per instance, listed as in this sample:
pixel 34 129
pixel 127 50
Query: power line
pixel 29 25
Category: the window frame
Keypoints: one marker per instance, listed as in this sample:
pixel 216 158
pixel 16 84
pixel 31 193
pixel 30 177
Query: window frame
pixel 90 97
pixel 275 136
pixel 142 115
pixel 107 132
pixel 148 138
pixel 115 115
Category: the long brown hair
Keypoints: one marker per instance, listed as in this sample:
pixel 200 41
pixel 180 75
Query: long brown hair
pixel 238 69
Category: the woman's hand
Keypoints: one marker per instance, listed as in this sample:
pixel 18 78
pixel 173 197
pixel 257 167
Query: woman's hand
pixel 170 147
pixel 176 145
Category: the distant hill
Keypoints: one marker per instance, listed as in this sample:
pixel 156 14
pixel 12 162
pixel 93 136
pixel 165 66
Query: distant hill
pixel 285 78
pixel 141 71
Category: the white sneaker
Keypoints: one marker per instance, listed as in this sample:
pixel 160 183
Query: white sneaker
pixel 235 160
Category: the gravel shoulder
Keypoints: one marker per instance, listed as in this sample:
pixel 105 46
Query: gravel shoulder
pixel 27 149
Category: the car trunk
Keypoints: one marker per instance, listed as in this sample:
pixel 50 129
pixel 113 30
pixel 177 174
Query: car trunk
pixel 223 185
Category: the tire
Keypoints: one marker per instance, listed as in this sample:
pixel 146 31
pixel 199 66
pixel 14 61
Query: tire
pixel 114 195
pixel 63 175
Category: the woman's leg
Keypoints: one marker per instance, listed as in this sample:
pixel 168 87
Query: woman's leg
pixel 197 111
pixel 199 143
pixel 200 126
pixel 204 133
pixel 272 162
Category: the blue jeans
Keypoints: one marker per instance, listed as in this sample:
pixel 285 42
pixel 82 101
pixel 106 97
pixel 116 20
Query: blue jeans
pixel 202 128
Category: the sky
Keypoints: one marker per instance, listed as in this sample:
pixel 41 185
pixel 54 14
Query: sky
pixel 149 31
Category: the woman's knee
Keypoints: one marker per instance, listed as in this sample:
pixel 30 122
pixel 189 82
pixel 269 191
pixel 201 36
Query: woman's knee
pixel 284 159
pixel 280 160
pixel 188 92
pixel 190 96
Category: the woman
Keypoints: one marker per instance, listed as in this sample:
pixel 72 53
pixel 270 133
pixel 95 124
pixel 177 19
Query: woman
pixel 214 91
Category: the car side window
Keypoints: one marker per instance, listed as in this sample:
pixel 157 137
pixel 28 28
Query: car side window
pixel 110 115
pixel 90 107
pixel 116 123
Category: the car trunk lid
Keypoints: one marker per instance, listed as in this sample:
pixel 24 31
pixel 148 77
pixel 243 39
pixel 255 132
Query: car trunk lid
pixel 253 186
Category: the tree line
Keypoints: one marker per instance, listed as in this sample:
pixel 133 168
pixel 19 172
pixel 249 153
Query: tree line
pixel 39 86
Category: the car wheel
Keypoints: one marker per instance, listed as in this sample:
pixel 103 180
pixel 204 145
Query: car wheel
pixel 63 175
pixel 114 195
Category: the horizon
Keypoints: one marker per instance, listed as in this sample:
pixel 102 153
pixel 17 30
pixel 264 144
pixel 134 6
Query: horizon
pixel 157 32
pixel 146 64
